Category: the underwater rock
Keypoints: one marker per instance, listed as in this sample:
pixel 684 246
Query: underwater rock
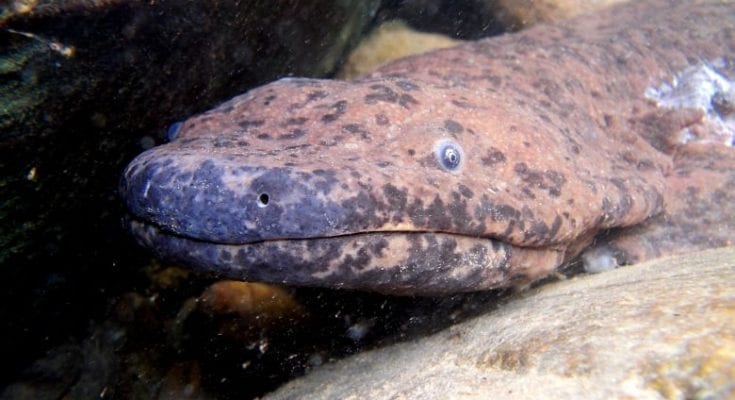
pixel 244 311
pixel 390 41
pixel 662 329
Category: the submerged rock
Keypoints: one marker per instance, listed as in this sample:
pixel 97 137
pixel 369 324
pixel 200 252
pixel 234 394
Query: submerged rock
pixel 390 41
pixel 662 329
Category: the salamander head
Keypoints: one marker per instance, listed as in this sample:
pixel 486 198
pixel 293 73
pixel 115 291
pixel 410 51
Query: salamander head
pixel 372 185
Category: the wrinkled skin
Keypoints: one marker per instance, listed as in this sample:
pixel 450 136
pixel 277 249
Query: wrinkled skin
pixel 484 165
pixel 700 210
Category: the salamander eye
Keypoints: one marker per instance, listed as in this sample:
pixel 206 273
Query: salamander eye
pixel 173 131
pixel 449 155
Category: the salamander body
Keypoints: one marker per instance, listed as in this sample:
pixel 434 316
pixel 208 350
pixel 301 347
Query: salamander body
pixel 483 165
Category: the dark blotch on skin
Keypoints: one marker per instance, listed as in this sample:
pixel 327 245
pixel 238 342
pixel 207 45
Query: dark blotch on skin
pixel 462 104
pixel 551 181
pixel 608 120
pixel 492 157
pixel 397 199
pixel 222 143
pixel 247 124
pixel 357 129
pixel 497 212
pixel 296 147
pixel 547 86
pixel 494 80
pixel 453 126
pixel 537 232
pixel 574 145
pixel 378 246
pixel 296 133
pixel 360 261
pixel 528 193
pixel 381 93
pixel 406 101
pixel 331 142
pixel 295 121
pixel 466 192
pixel 316 95
pixel 385 94
pixel 640 165
pixel 458 210
pixel 381 119
pixel 339 108
pixel 437 215
pixel 326 182
pixel 558 180
pixel 362 210
pixel 407 86
pixel 264 136
pixel 645 165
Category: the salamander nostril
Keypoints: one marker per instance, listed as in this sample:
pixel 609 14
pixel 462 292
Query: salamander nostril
pixel 263 200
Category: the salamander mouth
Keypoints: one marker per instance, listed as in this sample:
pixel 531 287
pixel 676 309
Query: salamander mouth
pixel 394 262
pixel 138 226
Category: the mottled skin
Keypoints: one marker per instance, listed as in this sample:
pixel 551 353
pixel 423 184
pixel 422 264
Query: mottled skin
pixel 700 209
pixel 338 184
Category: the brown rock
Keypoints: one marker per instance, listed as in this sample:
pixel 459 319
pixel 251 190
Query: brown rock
pixel 248 300
pixel 243 311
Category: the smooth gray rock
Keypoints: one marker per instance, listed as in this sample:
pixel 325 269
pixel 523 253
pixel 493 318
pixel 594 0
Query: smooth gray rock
pixel 662 329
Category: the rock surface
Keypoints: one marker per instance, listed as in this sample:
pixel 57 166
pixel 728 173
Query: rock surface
pixel 662 329
pixel 390 41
